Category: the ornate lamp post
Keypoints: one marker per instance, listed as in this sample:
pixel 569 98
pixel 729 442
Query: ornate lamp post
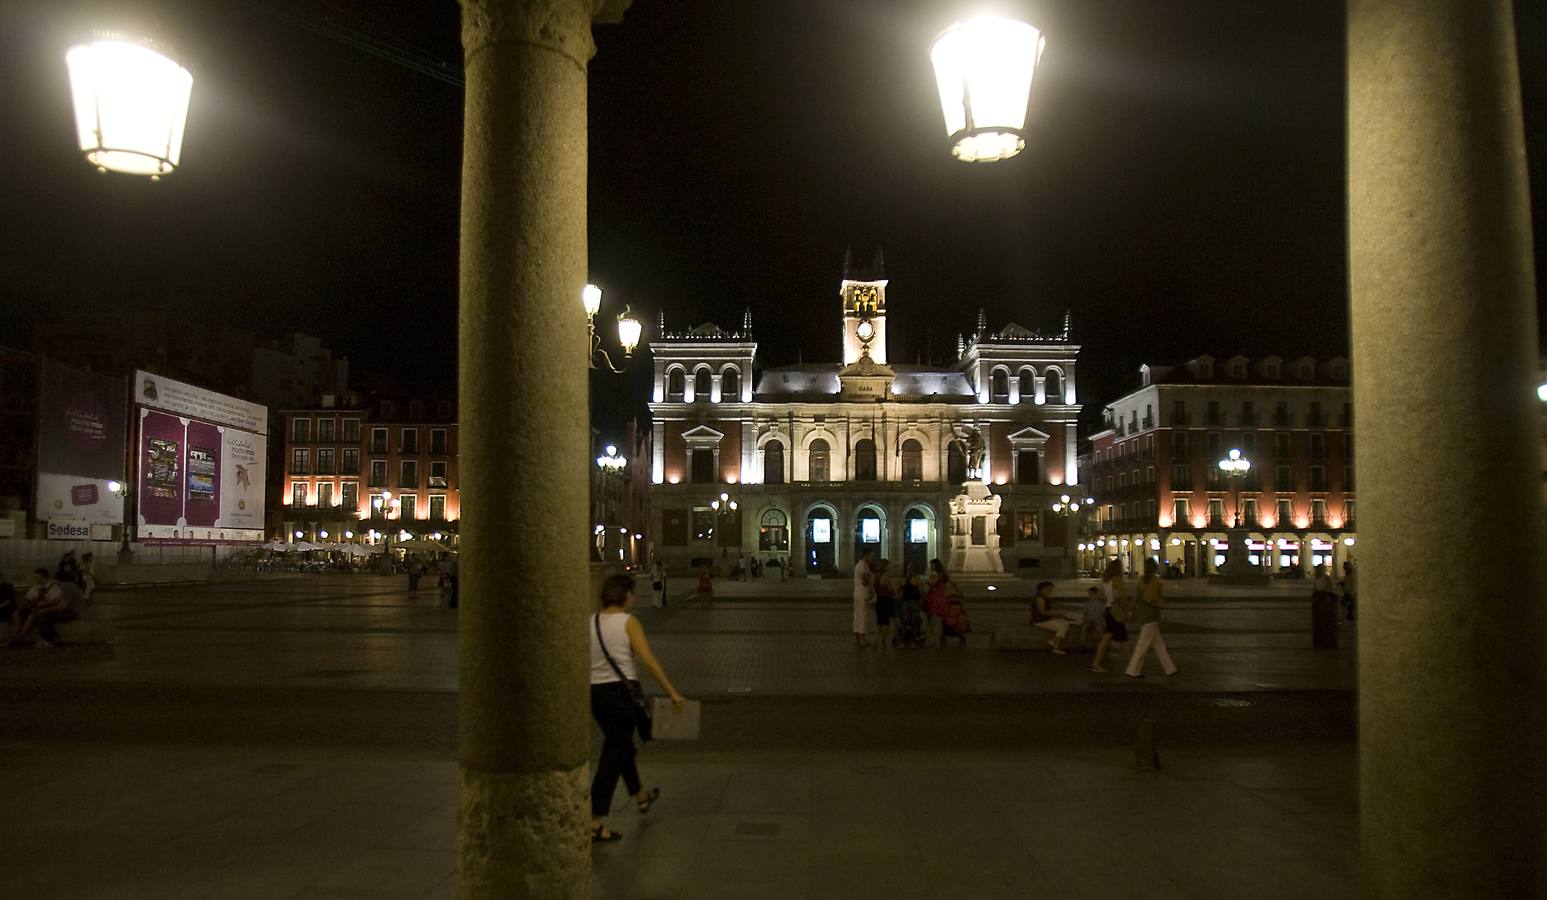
pixel 1235 469
pixel 984 69
pixel 629 331
pixel 1066 509
pixel 131 104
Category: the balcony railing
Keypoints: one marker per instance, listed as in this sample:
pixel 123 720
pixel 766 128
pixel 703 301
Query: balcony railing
pixel 1283 419
pixel 379 448
pixel 1180 420
pixel 1248 418
pixel 1149 422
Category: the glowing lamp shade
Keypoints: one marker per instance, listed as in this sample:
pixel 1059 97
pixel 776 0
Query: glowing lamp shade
pixel 629 330
pixel 984 69
pixel 591 298
pixel 131 104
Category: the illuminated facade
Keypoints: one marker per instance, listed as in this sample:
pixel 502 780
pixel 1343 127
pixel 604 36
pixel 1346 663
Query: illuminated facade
pixel 354 468
pixel 824 460
pixel 1154 469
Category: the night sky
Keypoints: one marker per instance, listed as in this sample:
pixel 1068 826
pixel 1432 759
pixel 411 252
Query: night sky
pixel 1182 191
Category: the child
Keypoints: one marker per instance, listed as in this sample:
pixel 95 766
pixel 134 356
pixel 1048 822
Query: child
pixel 1094 618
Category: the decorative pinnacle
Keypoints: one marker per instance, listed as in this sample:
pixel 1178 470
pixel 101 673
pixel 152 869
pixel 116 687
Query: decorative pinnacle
pixel 661 327
pixel 1066 325
pixel 982 322
pixel 746 322
pixel 961 345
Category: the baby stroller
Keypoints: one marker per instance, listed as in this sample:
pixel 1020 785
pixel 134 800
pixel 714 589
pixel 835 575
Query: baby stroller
pixel 955 623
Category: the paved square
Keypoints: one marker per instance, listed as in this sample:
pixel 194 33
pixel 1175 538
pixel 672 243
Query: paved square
pixel 296 738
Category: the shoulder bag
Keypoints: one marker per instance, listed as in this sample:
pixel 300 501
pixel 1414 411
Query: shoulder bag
pixel 636 692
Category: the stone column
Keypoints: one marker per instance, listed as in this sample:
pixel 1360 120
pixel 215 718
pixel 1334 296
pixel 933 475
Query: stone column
pixel 1444 338
pixel 525 734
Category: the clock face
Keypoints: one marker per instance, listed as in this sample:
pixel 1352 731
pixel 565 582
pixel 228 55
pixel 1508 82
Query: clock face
pixel 866 331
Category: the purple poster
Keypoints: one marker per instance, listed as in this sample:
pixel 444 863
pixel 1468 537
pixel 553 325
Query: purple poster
pixel 161 469
pixel 202 501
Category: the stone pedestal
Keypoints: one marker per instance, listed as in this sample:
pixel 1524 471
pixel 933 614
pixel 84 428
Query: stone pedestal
pixel 1238 569
pixel 1451 674
pixel 975 532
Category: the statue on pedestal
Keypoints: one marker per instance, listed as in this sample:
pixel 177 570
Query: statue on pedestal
pixel 970 439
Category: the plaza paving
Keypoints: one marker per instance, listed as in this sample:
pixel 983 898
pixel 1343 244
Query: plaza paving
pixel 296 738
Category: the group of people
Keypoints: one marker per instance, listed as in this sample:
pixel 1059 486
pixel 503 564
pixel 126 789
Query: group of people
pixel 54 597
pixel 1109 610
pixel 907 610
pixel 752 567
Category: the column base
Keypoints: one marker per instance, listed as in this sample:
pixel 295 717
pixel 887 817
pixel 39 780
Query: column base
pixel 524 834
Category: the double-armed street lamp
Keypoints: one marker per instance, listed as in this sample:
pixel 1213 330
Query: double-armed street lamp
pixel 629 331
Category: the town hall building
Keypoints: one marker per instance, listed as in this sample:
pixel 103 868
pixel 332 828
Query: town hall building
pixel 809 465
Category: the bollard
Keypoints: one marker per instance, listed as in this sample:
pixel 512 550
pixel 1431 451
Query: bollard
pixel 1146 756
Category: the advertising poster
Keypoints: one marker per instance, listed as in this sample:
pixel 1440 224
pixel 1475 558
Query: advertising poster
pixel 242 456
pixel 81 423
pixel 201 458
pixel 202 505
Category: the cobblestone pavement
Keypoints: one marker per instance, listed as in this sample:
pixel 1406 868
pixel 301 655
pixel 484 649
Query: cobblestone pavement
pixel 295 739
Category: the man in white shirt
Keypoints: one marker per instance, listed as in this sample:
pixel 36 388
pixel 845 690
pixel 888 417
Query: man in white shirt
pixel 864 598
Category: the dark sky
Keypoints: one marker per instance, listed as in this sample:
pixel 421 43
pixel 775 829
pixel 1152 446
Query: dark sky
pixel 1182 191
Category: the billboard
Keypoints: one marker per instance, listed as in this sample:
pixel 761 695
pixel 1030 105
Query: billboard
pixel 82 419
pixel 200 462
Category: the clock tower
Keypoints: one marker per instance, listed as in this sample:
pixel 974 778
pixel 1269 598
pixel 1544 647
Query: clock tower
pixel 864 311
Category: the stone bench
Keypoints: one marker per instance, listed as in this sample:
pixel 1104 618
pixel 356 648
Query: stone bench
pixel 85 631
pixel 1030 637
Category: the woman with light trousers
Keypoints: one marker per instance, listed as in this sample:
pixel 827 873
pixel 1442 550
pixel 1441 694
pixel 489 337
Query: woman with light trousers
pixel 1146 615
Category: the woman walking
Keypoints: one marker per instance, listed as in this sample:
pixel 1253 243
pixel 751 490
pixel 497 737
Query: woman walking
pixel 705 584
pixel 1117 608
pixel 1146 615
pixel 618 648
pixel 658 583
pixel 864 597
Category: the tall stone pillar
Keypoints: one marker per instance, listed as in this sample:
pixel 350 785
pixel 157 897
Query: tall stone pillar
pixel 525 734
pixel 1444 339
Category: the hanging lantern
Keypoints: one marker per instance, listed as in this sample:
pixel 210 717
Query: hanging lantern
pixel 131 104
pixel 984 69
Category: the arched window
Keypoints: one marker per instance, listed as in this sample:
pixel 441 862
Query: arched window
pixel 912 460
pixel 999 386
pixel 773 462
pixel 773 534
pixel 1028 386
pixel 865 460
pixel 955 464
pixel 818 461
pixel 701 381
pixel 730 386
pixel 676 385
pixel 1053 386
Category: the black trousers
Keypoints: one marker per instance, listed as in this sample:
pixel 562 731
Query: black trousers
pixel 614 711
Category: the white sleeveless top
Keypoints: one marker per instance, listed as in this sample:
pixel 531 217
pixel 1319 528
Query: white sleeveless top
pixel 614 627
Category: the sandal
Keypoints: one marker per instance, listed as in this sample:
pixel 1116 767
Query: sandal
pixel 649 801
pixel 598 838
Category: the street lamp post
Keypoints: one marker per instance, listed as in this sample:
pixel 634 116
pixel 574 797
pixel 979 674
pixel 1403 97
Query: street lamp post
pixel 1066 509
pixel 121 490
pixel 1235 467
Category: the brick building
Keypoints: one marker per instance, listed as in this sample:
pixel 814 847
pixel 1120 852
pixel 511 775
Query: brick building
pixel 353 467
pixel 825 460
pixel 1155 473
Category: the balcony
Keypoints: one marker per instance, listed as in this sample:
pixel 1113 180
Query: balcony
pixel 1316 420
pixel 1180 420
pixel 1283 419
pixel 379 448
pixel 1248 418
pixel 1214 418
pixel 1149 422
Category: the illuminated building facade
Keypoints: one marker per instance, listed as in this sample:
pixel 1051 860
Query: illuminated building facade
pixel 354 467
pixel 1155 473
pixel 825 460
